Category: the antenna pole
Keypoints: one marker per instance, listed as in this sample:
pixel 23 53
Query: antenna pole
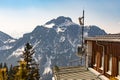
pixel 83 30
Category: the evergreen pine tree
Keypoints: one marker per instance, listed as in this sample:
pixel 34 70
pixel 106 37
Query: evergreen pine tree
pixel 5 66
pixel 31 65
pixel 27 55
pixel 14 72
pixel 11 73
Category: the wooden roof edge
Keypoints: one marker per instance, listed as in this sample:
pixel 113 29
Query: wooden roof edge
pixel 102 39
pixel 107 37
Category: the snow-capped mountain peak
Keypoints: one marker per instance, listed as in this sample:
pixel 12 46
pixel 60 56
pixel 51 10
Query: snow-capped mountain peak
pixel 60 20
pixel 60 24
pixel 55 43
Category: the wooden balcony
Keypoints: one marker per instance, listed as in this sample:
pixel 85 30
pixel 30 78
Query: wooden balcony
pixel 74 73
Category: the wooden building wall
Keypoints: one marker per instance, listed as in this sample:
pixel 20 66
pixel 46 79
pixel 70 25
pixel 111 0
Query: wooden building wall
pixel 111 49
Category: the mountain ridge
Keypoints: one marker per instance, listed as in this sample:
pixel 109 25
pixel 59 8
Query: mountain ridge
pixel 54 45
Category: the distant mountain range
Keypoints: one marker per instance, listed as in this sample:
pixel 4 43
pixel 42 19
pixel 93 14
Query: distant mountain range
pixel 55 43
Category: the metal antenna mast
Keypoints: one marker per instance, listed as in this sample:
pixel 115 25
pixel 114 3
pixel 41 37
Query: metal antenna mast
pixel 81 49
pixel 83 31
pixel 81 21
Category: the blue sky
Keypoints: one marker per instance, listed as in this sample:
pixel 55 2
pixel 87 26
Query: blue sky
pixel 20 16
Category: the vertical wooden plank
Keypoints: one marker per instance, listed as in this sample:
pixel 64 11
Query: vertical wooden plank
pixel 114 66
pixel 93 53
pixel 106 60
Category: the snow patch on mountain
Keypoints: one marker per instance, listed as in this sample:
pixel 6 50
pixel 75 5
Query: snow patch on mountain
pixel 36 43
pixel 60 30
pixel 47 70
pixel 62 39
pixel 39 57
pixel 49 25
pixel 47 66
pixel 72 42
pixel 10 41
pixel 5 47
pixel 17 52
pixel 67 23
pixel 31 37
